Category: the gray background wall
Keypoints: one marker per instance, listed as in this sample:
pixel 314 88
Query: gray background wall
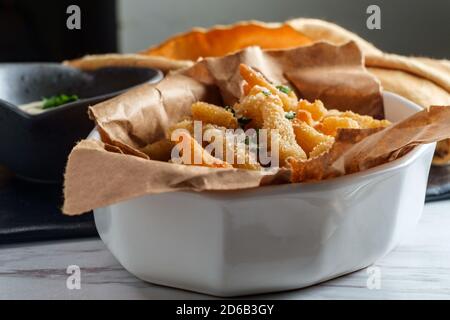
pixel 412 27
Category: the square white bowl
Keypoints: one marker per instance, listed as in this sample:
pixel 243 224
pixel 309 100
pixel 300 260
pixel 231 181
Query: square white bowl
pixel 272 238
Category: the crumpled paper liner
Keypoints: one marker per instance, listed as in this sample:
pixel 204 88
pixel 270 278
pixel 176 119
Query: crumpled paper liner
pixel 97 61
pixel 103 173
pixel 97 176
pixel 357 150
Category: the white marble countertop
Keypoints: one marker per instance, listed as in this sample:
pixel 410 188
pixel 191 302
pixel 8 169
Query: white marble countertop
pixel 419 268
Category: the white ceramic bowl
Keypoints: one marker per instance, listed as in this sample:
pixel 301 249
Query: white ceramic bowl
pixel 273 238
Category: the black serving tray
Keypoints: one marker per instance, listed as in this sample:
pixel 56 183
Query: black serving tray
pixel 31 212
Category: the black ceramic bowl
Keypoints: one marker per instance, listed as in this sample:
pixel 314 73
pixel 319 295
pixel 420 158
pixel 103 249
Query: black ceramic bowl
pixel 35 147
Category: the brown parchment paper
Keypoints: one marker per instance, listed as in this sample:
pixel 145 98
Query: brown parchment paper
pixel 357 150
pixel 104 172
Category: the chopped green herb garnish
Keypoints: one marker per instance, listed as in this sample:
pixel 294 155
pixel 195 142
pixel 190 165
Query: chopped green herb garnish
pixel 243 121
pixel 230 109
pixel 266 92
pixel 284 89
pixel 58 100
pixel 290 115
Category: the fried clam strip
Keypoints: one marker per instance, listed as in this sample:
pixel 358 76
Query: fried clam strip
pixel 336 119
pixel 316 109
pixel 254 78
pixel 305 116
pixel 159 150
pixel 309 138
pixel 251 107
pixel 326 166
pixel 330 125
pixel 242 157
pixel 198 156
pixel 365 122
pixel 189 126
pixel 266 112
pixel 275 121
pixel 209 113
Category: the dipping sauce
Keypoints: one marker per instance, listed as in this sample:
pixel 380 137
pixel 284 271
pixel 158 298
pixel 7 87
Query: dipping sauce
pixel 46 104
